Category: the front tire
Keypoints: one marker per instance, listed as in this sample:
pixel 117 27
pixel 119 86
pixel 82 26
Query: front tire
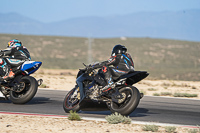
pixel 129 103
pixel 71 103
pixel 31 87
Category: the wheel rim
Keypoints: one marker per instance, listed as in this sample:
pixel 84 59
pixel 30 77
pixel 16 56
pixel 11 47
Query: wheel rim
pixel 21 87
pixel 24 90
pixel 123 101
pixel 71 102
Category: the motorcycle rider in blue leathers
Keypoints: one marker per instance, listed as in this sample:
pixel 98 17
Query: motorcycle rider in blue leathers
pixel 122 64
pixel 16 55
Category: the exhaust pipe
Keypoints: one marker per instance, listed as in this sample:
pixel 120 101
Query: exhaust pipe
pixel 40 81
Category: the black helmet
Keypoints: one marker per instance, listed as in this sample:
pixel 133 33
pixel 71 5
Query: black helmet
pixel 118 49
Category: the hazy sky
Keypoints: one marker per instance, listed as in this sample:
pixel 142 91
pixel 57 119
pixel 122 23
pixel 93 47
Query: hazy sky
pixel 56 10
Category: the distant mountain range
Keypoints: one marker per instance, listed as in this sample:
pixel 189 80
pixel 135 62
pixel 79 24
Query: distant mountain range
pixel 181 25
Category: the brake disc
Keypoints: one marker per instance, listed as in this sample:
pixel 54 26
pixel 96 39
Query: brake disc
pixel 19 87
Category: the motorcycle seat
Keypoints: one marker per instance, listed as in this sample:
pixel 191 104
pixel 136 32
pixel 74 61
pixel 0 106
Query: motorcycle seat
pixel 133 76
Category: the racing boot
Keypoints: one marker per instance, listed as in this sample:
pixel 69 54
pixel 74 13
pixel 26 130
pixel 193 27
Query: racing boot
pixel 108 87
pixel 10 75
pixel 108 78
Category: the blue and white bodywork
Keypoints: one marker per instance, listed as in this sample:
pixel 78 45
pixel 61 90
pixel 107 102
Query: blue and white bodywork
pixel 30 67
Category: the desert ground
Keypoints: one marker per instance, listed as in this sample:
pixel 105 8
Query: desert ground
pixel 38 124
pixel 65 80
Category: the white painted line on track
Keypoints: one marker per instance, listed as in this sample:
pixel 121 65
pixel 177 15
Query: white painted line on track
pixel 94 119
pixel 33 114
pixel 49 89
pixel 173 97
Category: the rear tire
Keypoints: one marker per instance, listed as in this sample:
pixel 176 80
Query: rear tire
pixel 129 104
pixel 31 87
pixel 70 103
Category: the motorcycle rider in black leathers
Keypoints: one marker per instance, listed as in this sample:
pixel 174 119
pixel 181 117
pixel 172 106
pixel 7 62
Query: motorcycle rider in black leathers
pixel 122 64
pixel 13 56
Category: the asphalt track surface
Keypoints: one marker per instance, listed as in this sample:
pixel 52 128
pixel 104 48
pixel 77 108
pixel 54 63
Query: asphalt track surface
pixel 150 109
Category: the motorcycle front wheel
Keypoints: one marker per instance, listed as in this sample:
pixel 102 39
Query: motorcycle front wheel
pixel 71 101
pixel 129 102
pixel 29 87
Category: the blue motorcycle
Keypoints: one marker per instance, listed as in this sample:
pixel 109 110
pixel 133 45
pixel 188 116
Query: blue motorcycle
pixel 23 87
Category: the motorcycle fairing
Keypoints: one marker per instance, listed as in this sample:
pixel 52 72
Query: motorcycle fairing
pixel 30 66
pixel 134 77
pixel 14 62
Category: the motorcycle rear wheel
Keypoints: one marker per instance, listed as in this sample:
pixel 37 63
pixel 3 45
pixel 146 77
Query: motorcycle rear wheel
pixel 129 103
pixel 29 91
pixel 70 103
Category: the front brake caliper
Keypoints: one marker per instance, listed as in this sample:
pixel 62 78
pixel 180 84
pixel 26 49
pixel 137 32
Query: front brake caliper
pixel 76 94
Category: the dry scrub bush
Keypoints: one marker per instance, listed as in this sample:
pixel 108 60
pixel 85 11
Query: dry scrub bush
pixel 74 116
pixel 152 128
pixel 170 129
pixel 118 118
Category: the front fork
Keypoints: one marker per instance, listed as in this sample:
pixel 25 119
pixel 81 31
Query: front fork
pixel 79 82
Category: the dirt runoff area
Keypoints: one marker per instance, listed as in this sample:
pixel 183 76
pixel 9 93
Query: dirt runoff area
pixel 65 80
pixel 38 124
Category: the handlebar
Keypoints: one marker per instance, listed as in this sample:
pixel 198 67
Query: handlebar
pixel 88 68
pixel 84 65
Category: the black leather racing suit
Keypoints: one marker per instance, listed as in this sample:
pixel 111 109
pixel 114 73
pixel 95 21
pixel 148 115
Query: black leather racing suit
pixel 122 64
